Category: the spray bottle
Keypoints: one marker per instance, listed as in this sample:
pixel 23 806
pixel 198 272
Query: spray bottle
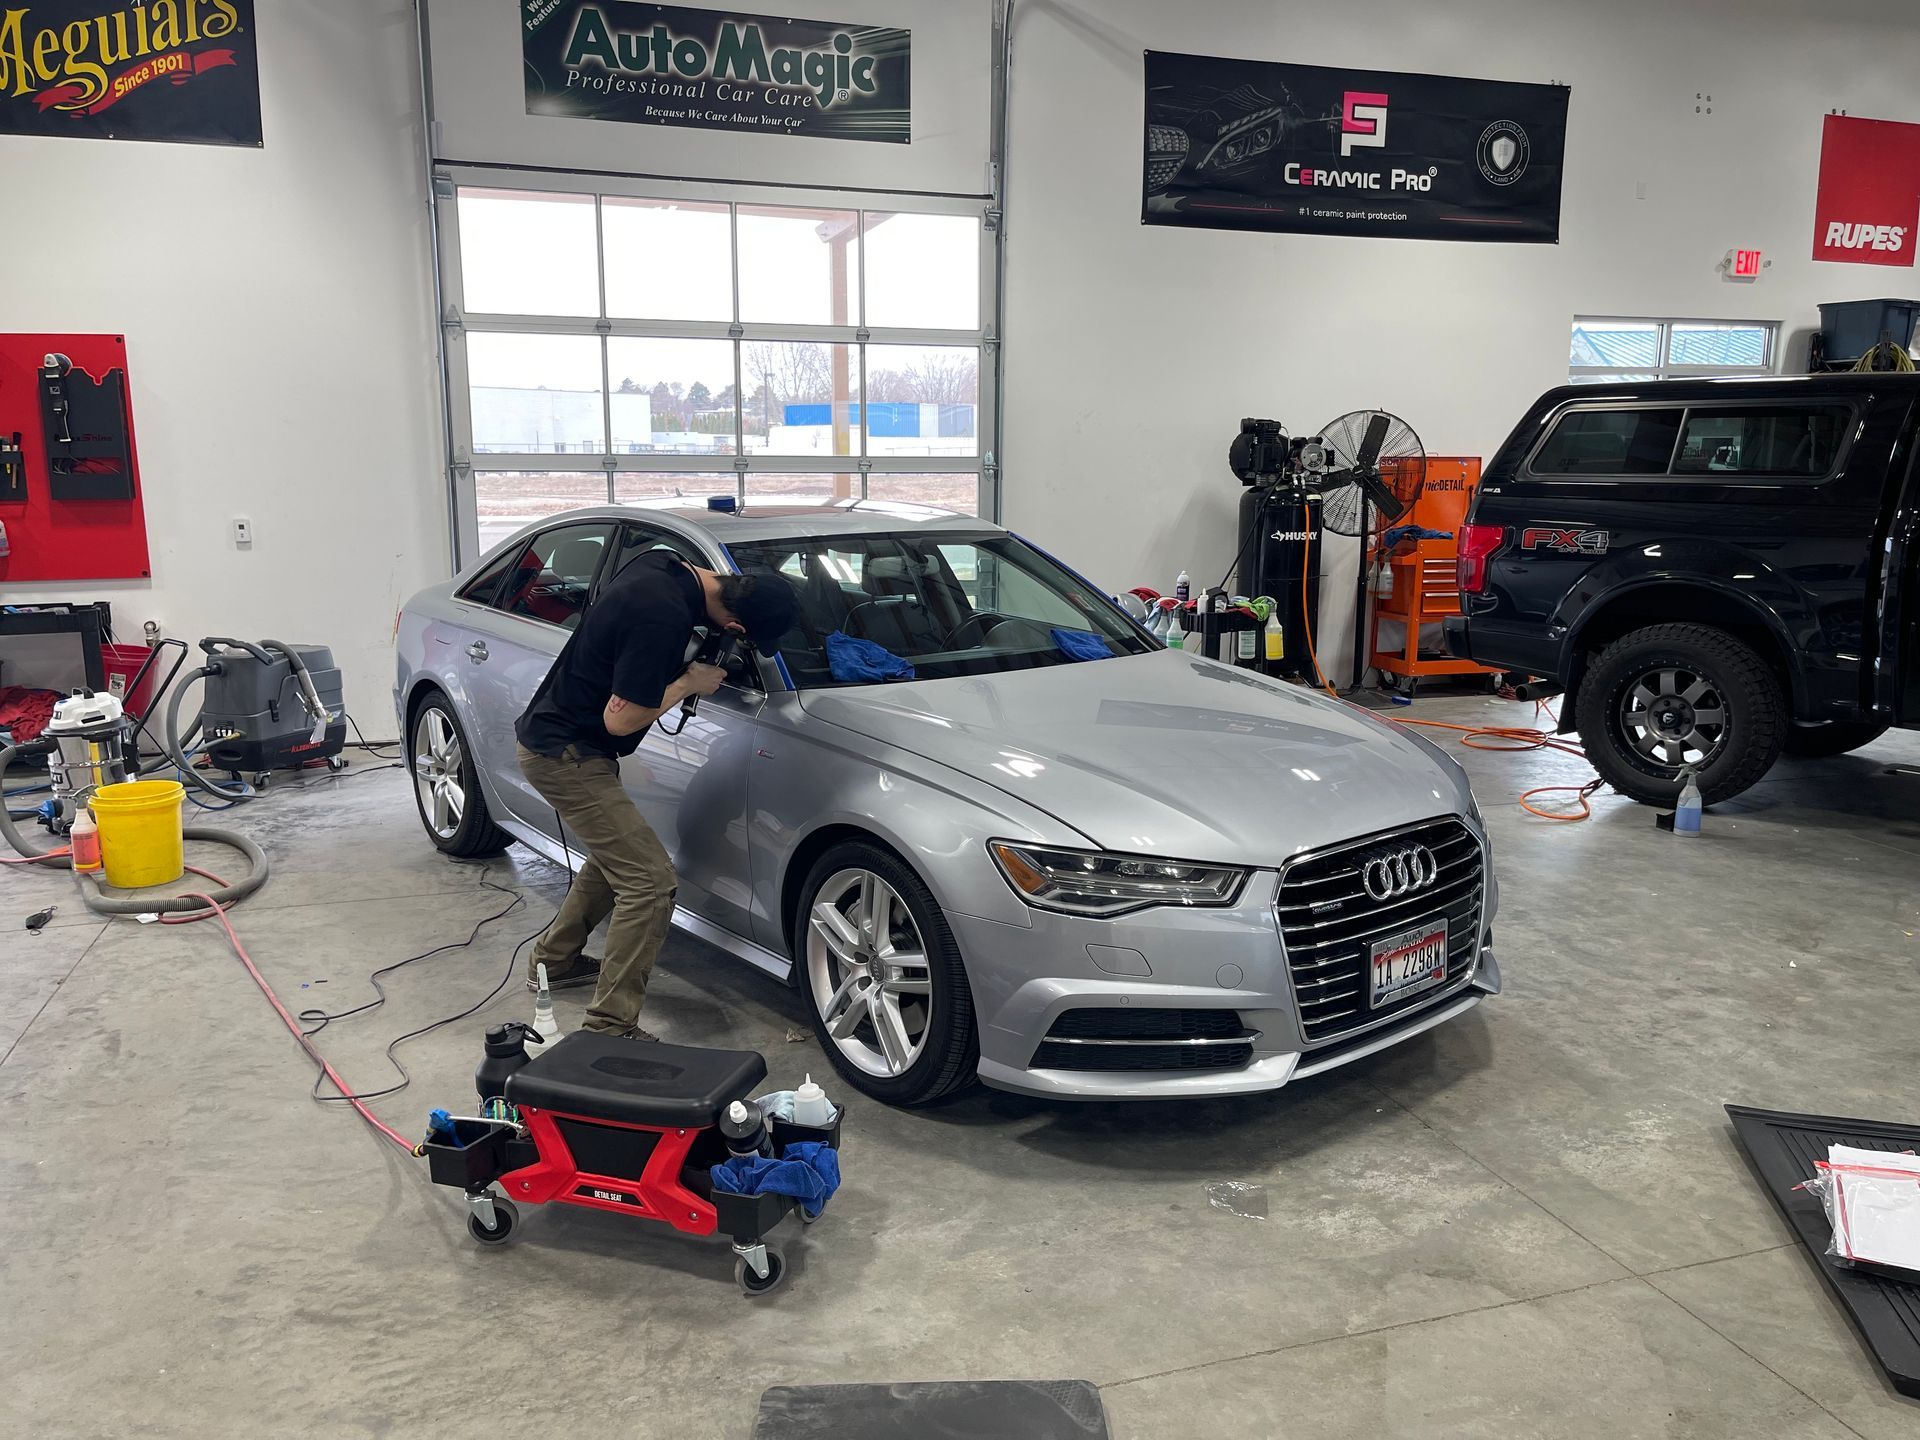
pixel 1176 636
pixel 546 1028
pixel 1686 814
pixel 1276 638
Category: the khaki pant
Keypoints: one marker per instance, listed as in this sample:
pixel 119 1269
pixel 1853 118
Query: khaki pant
pixel 626 875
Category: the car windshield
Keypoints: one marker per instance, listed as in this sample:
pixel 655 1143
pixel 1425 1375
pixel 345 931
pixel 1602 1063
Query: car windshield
pixel 878 608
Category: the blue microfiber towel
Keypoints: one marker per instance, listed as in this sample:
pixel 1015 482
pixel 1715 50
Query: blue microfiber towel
pixel 809 1171
pixel 856 661
pixel 1082 645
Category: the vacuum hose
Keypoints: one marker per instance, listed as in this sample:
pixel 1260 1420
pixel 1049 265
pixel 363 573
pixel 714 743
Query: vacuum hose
pixel 140 905
pixel 170 735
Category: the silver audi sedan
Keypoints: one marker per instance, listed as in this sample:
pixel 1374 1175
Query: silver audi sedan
pixel 1011 837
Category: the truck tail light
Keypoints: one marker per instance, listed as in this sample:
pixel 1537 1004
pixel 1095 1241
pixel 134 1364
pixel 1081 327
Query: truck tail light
pixel 1477 544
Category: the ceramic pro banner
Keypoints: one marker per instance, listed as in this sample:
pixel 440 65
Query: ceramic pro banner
pixel 716 69
pixel 149 70
pixel 1248 145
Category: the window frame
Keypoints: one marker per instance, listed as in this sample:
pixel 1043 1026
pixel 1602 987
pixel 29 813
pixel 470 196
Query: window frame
pixel 516 551
pixel 1664 369
pixel 1691 479
pixel 729 471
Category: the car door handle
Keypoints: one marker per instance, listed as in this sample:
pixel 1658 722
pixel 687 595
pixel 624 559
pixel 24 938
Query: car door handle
pixel 477 651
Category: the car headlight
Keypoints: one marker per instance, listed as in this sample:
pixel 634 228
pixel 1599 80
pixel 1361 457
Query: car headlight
pixel 1088 882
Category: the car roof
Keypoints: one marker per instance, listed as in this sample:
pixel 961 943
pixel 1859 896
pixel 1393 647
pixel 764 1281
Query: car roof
pixel 1727 387
pixel 786 517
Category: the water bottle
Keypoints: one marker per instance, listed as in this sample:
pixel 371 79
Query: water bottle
pixel 1686 815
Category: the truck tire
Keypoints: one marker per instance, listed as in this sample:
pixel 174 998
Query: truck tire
pixel 1660 699
pixel 1836 737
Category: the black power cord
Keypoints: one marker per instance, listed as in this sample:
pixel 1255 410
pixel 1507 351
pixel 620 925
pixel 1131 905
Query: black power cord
pixel 318 1020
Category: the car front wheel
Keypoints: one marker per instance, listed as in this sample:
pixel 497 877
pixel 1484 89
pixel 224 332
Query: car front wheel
pixel 882 978
pixel 1671 698
pixel 446 786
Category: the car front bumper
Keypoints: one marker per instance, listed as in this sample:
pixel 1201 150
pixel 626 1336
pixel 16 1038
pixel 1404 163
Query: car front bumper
pixel 1230 959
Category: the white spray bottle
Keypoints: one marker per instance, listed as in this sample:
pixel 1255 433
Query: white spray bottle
pixel 543 1021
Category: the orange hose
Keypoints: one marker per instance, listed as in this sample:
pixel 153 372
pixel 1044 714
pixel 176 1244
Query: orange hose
pixel 1517 737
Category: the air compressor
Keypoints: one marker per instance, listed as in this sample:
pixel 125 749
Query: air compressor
pixel 1280 531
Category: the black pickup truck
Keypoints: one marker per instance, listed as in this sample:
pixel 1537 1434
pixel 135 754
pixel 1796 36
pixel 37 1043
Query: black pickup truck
pixel 1715 571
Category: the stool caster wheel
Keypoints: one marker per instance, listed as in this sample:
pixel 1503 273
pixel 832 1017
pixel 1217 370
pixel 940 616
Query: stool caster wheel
pixel 504 1217
pixel 806 1219
pixel 752 1284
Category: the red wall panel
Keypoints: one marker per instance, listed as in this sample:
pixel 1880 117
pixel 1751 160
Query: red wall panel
pixel 65 539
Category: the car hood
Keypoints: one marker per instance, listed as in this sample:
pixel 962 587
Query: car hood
pixel 1166 754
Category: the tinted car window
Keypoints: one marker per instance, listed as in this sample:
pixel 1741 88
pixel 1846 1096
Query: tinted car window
pixel 550 578
pixel 949 606
pixel 1610 442
pixel 484 586
pixel 638 540
pixel 1786 440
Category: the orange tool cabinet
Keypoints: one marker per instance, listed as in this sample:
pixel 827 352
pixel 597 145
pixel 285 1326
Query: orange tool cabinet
pixel 1425 574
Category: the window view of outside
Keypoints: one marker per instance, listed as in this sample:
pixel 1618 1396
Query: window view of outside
pixel 670 337
pixel 1611 350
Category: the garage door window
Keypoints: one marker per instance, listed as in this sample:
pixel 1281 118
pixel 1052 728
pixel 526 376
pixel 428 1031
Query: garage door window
pixel 697 342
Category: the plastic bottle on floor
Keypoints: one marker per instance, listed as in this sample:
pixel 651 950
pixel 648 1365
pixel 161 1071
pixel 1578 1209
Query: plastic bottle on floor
pixel 1686 815
pixel 543 1021
pixel 84 841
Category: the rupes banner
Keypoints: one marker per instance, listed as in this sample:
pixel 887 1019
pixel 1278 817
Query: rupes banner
pixel 1248 145
pixel 146 70
pixel 713 69
pixel 1869 194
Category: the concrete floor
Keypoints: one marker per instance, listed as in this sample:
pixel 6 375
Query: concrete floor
pixel 1531 1223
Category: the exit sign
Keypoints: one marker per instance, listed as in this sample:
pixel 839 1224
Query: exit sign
pixel 1746 265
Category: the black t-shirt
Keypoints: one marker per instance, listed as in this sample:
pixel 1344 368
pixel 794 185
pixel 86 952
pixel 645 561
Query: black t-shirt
pixel 632 643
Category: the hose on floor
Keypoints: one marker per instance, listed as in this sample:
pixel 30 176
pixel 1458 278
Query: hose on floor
pixel 57 857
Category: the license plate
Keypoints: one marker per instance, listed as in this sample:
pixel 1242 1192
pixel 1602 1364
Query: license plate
pixel 1407 963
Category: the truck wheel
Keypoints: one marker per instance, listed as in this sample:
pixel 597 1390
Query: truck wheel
pixel 1836 737
pixel 1659 700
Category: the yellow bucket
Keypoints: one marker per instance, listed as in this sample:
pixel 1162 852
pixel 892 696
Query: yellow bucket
pixel 140 840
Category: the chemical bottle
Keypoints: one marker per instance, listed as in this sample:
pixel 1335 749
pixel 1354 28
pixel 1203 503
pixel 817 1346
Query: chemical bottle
pixel 1246 645
pixel 811 1106
pixel 84 839
pixel 1276 639
pixel 506 1053
pixel 744 1129
pixel 546 1027
pixel 1686 815
pixel 1183 588
pixel 1176 636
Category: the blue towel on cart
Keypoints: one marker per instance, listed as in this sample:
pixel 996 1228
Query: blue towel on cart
pixel 809 1172
pixel 851 660
pixel 1082 645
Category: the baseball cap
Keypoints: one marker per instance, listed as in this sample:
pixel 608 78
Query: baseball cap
pixel 766 609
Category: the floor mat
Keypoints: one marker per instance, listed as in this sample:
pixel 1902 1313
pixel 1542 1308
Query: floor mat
pixel 961 1409
pixel 1783 1147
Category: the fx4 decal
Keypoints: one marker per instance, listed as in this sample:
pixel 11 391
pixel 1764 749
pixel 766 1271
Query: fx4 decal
pixel 1568 542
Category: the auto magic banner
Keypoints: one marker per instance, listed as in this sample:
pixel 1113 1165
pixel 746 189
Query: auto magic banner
pixel 1247 145
pixel 715 69
pixel 146 70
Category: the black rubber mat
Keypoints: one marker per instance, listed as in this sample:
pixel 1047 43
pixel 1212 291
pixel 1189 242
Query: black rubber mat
pixel 941 1410
pixel 1783 1147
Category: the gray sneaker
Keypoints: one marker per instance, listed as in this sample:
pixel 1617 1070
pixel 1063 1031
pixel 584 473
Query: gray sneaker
pixel 585 970
pixel 636 1033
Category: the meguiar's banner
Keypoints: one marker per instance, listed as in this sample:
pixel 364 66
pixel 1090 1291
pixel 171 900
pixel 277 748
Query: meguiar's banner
pixel 1248 145
pixel 667 65
pixel 130 70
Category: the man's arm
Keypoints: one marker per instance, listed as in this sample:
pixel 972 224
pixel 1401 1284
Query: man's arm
pixel 623 717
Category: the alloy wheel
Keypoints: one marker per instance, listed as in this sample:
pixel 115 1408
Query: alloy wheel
pixel 438 760
pixel 868 966
pixel 1673 718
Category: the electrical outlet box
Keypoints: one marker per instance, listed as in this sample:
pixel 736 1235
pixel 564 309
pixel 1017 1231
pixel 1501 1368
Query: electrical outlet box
pixel 242 532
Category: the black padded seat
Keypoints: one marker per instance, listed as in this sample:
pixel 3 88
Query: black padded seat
pixel 639 1082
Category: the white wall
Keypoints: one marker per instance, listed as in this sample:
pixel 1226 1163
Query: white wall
pixel 1134 351
pixel 480 103
pixel 279 337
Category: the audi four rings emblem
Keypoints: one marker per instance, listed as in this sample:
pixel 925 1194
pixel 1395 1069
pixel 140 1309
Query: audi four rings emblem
pixel 1393 873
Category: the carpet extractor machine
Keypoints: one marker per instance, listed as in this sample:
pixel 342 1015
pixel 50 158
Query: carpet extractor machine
pixel 643 1129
